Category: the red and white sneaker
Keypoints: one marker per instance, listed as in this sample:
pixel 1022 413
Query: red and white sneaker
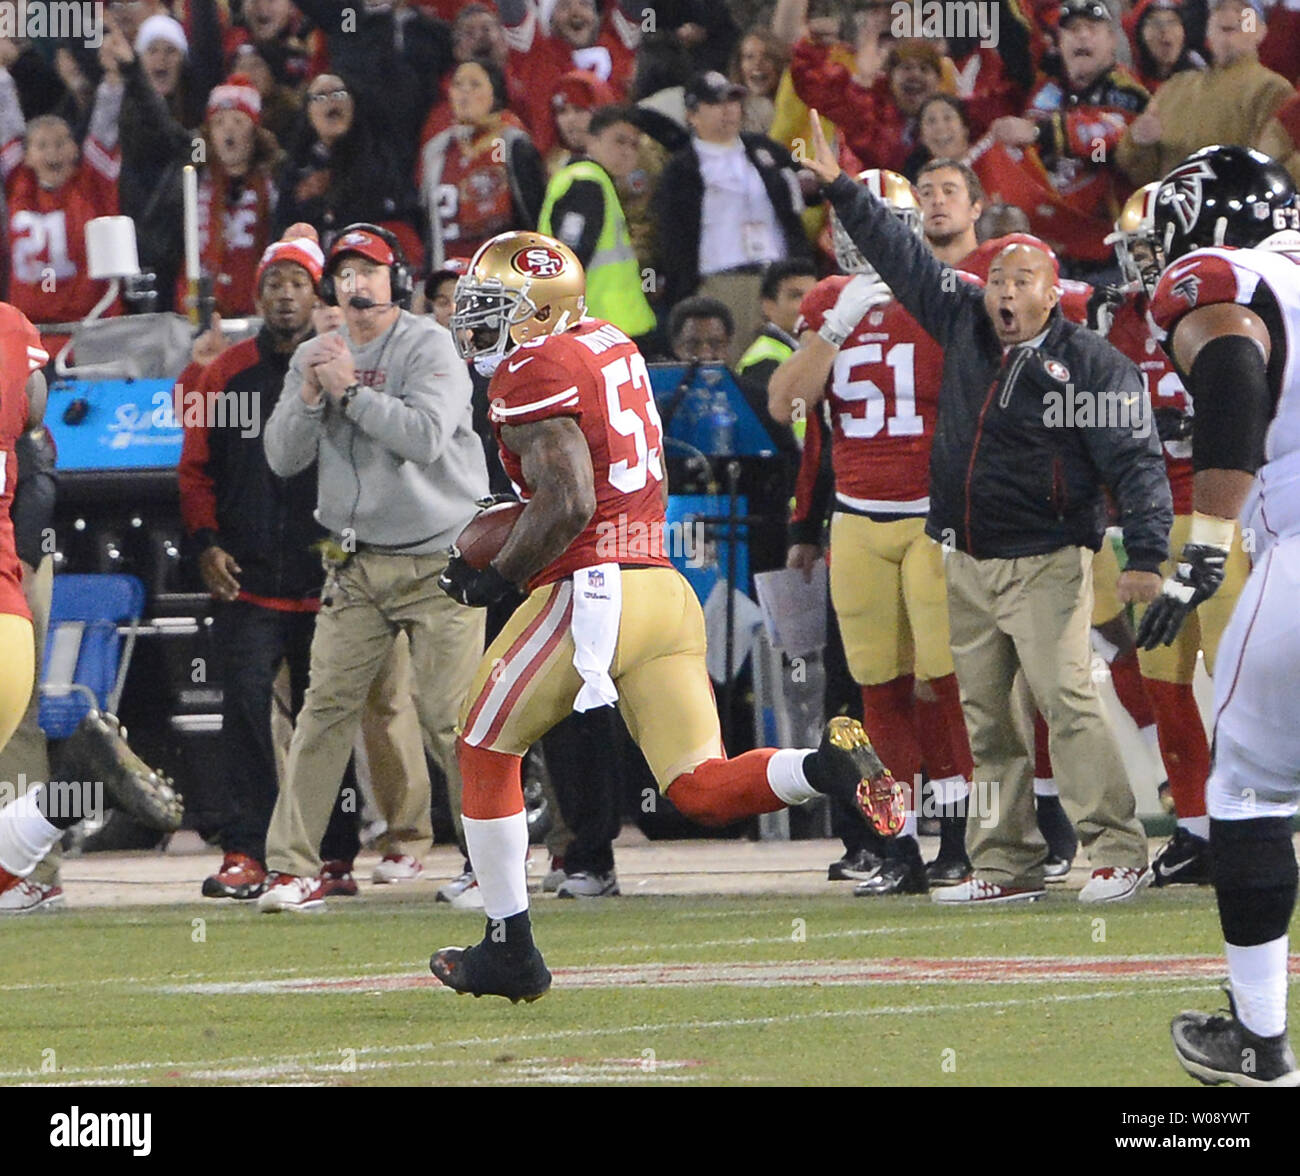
pixel 336 878
pixel 25 896
pixel 240 876
pixel 1115 884
pixel 291 892
pixel 396 867
pixel 978 892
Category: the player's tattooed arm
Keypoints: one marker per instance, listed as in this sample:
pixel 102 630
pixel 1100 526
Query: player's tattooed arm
pixel 557 469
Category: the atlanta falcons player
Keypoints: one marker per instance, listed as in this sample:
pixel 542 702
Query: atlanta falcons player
pixel 1228 231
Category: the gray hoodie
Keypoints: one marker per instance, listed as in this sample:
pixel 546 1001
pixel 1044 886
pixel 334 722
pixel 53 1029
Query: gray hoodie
pixel 402 466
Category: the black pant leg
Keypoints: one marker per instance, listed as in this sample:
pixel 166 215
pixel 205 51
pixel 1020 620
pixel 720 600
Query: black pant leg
pixel 584 756
pixel 251 644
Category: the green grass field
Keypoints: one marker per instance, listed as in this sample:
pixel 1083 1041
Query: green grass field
pixel 647 990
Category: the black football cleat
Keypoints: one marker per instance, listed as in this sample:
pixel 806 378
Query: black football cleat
pixel 948 871
pixel 904 873
pixel 857 773
pixel 1215 1049
pixel 1184 860
pixel 481 971
pixel 856 867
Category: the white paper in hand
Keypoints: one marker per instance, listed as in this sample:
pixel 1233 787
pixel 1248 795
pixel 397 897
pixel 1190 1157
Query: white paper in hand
pixel 794 609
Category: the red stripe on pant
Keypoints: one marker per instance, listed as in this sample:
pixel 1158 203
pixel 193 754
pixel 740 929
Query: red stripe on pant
pixel 1130 688
pixel 514 649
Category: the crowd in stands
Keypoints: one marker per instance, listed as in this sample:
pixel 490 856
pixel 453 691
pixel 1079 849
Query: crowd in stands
pixel 444 121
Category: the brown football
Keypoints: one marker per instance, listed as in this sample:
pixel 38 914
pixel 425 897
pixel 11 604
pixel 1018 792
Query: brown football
pixel 486 533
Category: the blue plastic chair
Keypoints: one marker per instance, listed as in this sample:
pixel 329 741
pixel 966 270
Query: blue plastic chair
pixel 93 624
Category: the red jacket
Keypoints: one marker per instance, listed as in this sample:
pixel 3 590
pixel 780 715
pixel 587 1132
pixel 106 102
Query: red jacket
pixel 869 120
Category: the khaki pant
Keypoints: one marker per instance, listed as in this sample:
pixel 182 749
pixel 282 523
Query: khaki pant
pixel 1033 614
pixel 399 776
pixel 26 754
pixel 373 598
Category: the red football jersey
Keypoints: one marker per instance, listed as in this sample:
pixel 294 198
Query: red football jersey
pixel 474 200
pixel 595 374
pixel 883 394
pixel 49 279
pixel 21 354
pixel 232 259
pixel 1131 333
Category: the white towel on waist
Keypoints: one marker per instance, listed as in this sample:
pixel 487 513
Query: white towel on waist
pixel 597 609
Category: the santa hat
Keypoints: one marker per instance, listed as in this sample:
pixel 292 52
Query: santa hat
pixel 237 92
pixel 161 27
pixel 299 245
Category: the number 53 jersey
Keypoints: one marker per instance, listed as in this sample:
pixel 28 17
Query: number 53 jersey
pixel 594 374
pixel 883 397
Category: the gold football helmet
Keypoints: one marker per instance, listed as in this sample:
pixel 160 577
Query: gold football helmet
pixel 1137 226
pixel 895 191
pixel 519 286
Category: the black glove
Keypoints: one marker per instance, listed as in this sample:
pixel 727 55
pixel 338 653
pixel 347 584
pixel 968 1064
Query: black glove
pixel 477 589
pixel 1200 572
pixel 1173 424
pixel 1103 302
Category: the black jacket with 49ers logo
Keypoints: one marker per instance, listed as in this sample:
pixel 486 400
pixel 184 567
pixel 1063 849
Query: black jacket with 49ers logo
pixel 1028 438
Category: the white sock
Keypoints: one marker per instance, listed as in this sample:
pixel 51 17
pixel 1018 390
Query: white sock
pixel 1258 977
pixel 1200 826
pixel 25 835
pixel 785 776
pixel 949 790
pixel 498 851
pixel 1046 786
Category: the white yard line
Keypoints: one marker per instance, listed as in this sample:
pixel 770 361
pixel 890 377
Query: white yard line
pixel 329 1059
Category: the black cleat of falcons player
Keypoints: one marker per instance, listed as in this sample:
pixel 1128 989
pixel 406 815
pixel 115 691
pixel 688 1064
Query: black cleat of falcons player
pixel 488 970
pixel 1216 1049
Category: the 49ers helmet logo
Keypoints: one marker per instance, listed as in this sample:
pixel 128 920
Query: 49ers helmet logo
pixel 1182 191
pixel 538 261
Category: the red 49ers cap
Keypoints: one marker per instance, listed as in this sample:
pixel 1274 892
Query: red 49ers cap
pixel 364 242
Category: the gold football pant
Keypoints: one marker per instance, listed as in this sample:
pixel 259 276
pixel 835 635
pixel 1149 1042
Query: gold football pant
pixel 526 682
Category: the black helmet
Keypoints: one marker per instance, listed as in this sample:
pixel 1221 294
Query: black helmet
pixel 1223 196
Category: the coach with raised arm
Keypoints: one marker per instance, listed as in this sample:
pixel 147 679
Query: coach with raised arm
pixel 1036 417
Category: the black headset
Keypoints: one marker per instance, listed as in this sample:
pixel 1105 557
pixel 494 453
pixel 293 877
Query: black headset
pixel 399 273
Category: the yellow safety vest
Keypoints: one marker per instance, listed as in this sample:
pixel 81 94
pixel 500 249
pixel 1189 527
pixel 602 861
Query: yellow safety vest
pixel 613 277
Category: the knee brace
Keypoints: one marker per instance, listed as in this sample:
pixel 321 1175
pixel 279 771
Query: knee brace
pixel 1255 878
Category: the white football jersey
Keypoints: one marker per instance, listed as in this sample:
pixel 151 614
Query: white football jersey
pixel 1269 284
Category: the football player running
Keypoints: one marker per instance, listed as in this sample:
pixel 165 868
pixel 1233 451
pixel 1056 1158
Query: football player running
pixel 1168 670
pixel 607 619
pixel 878 374
pixel 1227 238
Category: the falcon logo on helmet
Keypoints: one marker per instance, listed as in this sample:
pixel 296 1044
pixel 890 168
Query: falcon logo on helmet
pixel 1188 288
pixel 1182 192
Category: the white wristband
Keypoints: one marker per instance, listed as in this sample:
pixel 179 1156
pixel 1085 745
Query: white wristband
pixel 1211 531
pixel 830 334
